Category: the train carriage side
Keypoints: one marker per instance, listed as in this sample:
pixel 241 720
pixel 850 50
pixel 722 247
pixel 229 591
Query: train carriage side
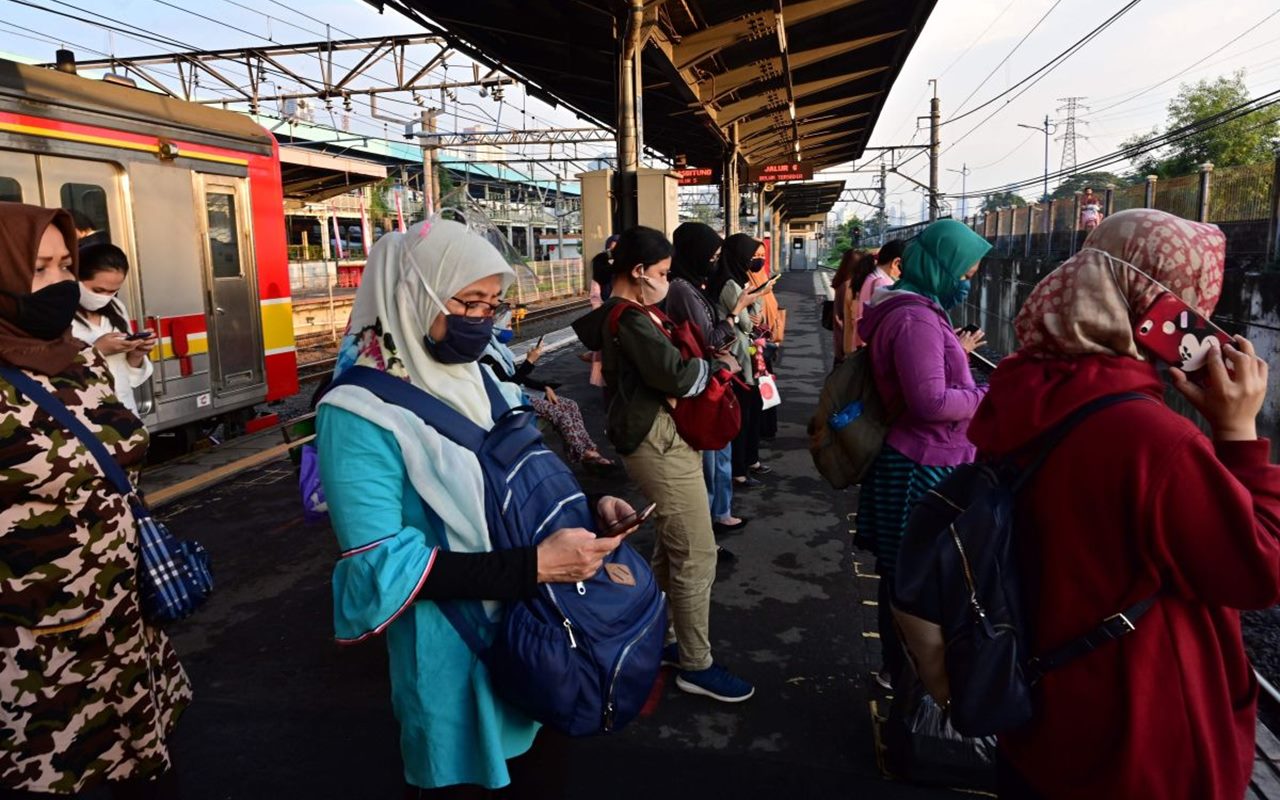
pixel 193 195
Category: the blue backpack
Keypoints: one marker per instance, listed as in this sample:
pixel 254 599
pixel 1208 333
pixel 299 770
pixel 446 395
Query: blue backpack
pixel 581 658
pixel 957 573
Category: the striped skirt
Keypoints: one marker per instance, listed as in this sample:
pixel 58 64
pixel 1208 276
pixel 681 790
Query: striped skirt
pixel 885 499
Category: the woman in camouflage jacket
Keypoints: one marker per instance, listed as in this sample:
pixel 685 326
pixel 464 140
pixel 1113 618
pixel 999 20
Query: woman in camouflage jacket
pixel 88 692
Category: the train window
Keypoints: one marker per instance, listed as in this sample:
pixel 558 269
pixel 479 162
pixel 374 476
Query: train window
pixel 224 240
pixel 87 203
pixel 10 190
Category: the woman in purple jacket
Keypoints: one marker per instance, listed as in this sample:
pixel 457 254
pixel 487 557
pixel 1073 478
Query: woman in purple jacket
pixel 921 368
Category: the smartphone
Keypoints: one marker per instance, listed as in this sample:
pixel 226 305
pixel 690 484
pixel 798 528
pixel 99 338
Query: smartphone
pixel 539 344
pixel 970 329
pixel 764 286
pixel 630 522
pixel 1176 333
pixel 133 337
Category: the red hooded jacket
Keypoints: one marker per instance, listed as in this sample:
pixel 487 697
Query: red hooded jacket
pixel 1134 502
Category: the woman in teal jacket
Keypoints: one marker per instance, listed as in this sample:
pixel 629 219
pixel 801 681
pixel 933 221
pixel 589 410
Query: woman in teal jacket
pixel 407 506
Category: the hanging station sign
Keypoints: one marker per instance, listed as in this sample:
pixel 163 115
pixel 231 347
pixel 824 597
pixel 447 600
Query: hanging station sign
pixel 782 171
pixel 699 176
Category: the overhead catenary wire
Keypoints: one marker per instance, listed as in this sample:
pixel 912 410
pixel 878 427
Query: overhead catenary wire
pixel 1008 55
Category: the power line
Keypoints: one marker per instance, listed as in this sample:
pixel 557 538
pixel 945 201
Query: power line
pixel 1009 55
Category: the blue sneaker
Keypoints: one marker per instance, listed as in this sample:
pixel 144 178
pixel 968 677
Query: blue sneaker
pixel 715 682
pixel 671 655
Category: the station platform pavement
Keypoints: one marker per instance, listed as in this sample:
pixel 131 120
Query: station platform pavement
pixel 281 711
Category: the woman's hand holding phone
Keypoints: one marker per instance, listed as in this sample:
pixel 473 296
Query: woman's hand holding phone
pixel 573 554
pixel 1233 389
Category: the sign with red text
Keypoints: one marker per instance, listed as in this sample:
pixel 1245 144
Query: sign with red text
pixel 781 171
pixel 699 176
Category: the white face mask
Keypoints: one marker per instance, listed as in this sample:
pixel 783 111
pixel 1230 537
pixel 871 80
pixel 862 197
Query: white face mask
pixel 92 301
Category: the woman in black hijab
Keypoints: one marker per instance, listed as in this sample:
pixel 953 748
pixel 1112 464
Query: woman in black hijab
pixel 740 256
pixel 697 251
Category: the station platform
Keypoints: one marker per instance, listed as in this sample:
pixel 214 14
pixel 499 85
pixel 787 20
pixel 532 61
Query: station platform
pixel 282 711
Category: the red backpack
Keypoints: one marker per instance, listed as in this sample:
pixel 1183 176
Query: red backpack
pixel 711 420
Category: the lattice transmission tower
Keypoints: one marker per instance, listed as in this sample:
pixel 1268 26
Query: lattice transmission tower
pixel 1072 108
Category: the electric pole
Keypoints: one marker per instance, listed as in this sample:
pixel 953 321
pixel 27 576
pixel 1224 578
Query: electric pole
pixel 964 172
pixel 882 219
pixel 1048 130
pixel 934 142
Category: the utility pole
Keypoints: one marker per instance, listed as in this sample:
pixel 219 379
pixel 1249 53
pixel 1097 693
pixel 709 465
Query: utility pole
pixel 1048 130
pixel 934 142
pixel 964 172
pixel 883 219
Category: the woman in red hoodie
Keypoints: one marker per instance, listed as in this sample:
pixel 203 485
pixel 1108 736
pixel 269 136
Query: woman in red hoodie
pixel 1137 502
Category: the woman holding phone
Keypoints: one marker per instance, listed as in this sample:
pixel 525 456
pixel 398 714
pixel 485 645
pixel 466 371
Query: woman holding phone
pixel 1136 502
pixel 739 257
pixel 646 376
pixel 103 322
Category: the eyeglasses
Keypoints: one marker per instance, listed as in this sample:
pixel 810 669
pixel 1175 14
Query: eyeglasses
pixel 480 308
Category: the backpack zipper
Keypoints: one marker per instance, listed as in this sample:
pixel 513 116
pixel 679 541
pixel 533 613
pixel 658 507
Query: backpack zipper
pixel 609 708
pixel 568 626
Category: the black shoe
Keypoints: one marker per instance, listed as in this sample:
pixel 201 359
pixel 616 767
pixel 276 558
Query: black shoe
pixel 761 469
pixel 746 483
pixel 724 556
pixel 724 527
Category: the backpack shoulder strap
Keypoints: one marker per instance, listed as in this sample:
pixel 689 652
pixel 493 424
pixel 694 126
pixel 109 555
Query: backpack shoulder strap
pixel 623 306
pixel 1054 436
pixel 435 413
pixel 56 409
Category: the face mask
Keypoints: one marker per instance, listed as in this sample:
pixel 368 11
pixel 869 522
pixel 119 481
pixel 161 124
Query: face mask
pixel 47 314
pixel 757 264
pixel 505 335
pixel 92 301
pixel 660 291
pixel 465 339
pixel 958 295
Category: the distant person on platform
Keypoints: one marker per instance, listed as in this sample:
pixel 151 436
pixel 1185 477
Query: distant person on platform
pixel 601 288
pixel 1090 210
pixel 87 233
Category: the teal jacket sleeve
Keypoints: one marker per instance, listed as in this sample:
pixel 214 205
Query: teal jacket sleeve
pixel 384 561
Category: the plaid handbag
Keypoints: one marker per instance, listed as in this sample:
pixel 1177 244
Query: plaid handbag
pixel 173 575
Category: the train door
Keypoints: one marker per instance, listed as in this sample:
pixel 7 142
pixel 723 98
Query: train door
pixel 233 312
pixel 19 181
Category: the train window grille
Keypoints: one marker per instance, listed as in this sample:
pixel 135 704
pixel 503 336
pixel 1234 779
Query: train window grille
pixel 10 190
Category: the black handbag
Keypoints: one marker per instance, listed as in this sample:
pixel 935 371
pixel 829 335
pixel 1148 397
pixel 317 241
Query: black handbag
pixel 829 314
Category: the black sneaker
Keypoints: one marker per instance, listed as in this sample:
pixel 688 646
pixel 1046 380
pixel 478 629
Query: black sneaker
pixel 760 469
pixel 671 655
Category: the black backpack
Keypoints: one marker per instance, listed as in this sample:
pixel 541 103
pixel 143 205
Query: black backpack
pixel 958 594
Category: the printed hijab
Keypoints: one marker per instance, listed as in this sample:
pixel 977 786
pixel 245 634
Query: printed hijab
pixel 393 309
pixel 1090 304
pixel 735 262
pixel 21 228
pixel 695 244
pixel 934 263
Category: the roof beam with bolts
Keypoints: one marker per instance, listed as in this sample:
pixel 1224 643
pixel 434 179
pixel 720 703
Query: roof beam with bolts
pixel 256 61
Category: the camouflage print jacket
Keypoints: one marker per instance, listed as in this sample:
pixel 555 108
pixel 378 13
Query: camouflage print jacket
pixel 88 692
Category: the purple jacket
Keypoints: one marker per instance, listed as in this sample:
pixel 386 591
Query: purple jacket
pixel 919 363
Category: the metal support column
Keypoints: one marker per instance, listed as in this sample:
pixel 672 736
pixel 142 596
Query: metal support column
pixel 629 123
pixel 934 143
pixel 729 183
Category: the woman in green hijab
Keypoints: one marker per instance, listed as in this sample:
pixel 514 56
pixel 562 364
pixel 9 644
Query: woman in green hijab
pixel 922 367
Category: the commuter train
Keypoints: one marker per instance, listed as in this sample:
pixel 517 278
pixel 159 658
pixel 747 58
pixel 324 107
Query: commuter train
pixel 193 195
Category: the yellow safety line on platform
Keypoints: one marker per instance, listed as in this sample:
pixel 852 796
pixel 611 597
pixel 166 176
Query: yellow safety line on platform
pixel 171 493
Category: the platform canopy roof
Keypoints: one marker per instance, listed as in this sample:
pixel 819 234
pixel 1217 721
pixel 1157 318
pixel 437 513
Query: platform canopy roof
pixel 803 78
pixel 809 199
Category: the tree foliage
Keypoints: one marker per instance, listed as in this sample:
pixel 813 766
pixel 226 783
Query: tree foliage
pixel 843 238
pixel 1248 140
pixel 1002 199
pixel 1098 181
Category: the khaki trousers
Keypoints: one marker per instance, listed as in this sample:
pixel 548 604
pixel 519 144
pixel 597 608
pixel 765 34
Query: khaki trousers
pixel 669 474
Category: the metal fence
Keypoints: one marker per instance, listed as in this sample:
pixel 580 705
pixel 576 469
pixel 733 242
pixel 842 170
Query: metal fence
pixel 1243 201
pixel 548 280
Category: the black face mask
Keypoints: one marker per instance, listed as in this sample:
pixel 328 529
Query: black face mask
pixel 464 341
pixel 757 264
pixel 47 314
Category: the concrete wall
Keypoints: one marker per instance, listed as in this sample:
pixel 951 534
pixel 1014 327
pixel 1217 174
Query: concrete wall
pixel 1250 305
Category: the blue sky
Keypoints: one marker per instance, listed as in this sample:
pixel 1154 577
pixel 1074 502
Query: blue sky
pixel 1119 73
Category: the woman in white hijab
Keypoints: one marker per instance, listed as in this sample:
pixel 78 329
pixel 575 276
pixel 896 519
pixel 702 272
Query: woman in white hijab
pixel 407 505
